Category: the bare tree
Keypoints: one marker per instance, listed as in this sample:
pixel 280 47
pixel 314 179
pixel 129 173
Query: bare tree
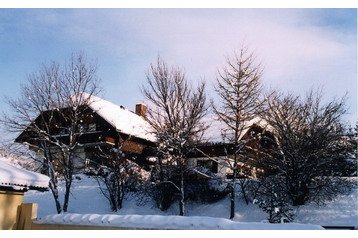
pixel 176 115
pixel 49 115
pixel 238 86
pixel 119 176
pixel 111 178
pixel 310 138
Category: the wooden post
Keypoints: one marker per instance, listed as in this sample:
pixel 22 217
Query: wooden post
pixel 25 214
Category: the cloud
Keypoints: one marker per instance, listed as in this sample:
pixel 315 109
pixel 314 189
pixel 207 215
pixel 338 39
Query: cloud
pixel 297 52
pixel 299 48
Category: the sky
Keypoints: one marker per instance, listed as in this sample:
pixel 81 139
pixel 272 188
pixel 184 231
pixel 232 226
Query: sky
pixel 298 48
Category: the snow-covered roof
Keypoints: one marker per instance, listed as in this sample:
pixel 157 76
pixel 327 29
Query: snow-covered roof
pixel 21 179
pixel 168 222
pixel 122 119
pixel 216 126
pixel 255 121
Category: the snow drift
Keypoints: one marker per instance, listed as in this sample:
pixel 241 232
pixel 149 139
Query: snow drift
pixel 167 222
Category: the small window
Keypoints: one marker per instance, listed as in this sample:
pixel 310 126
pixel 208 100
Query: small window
pixel 92 127
pixel 64 131
pixel 209 164
pixel 266 142
pixel 82 128
pixel 87 162
pixel 253 133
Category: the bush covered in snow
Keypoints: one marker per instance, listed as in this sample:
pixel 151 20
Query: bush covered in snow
pixel 200 185
pixel 272 198
pixel 271 194
pixel 118 177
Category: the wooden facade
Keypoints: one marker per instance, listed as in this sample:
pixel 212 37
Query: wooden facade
pixel 252 160
pixel 93 132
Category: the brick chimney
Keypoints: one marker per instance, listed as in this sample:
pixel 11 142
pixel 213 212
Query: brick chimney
pixel 140 109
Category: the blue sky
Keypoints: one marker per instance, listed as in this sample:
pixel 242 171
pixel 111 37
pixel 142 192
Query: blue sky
pixel 299 48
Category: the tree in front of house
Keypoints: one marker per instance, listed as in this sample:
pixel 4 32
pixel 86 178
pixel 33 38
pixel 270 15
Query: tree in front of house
pixel 176 113
pixel 347 166
pixel 311 139
pixel 51 100
pixel 118 176
pixel 239 89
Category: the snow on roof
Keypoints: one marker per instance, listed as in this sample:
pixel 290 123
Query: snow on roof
pixel 256 121
pixel 122 119
pixel 168 222
pixel 21 179
pixel 216 127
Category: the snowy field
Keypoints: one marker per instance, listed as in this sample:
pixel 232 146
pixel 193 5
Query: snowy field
pixel 86 198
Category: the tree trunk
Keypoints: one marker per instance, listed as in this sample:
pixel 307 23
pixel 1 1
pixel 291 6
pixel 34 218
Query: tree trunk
pixel 161 175
pixel 54 191
pixel 232 201
pixel 300 195
pixel 111 193
pixel 120 194
pixel 243 184
pixel 232 192
pixel 52 175
pixel 181 203
pixel 68 178
pixel 67 196
pixel 112 202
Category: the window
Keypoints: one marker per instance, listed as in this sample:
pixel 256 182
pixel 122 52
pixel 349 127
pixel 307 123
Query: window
pixel 209 164
pixel 266 142
pixel 64 131
pixel 87 162
pixel 92 127
pixel 82 128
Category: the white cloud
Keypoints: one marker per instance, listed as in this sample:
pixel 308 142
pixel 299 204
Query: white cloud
pixel 296 53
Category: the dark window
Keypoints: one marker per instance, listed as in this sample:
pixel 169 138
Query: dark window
pixel 209 164
pixel 92 127
pixel 64 131
pixel 82 128
pixel 266 142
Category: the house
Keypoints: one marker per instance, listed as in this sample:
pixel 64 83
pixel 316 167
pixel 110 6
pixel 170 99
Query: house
pixel 102 125
pixel 14 182
pixel 217 157
pixel 106 125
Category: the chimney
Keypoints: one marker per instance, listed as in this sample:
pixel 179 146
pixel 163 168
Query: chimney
pixel 140 109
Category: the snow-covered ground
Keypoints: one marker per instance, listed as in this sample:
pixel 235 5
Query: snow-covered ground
pixel 86 198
